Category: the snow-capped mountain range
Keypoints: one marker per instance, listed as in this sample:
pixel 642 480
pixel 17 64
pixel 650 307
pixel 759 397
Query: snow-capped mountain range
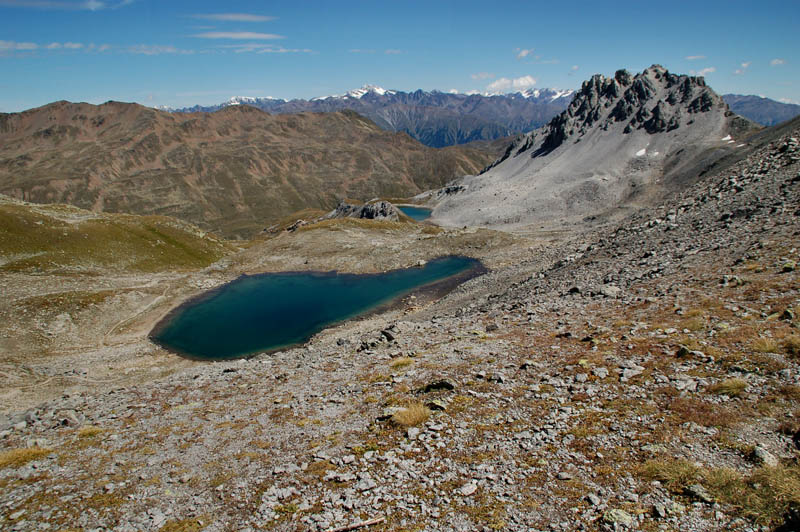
pixel 432 117
pixel 445 118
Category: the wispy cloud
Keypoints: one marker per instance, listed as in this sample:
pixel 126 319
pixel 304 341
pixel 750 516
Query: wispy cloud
pixel 504 84
pixel 240 35
pixel 522 53
pixel 694 57
pixel 703 72
pixel 86 5
pixel 482 75
pixel 156 49
pixel 14 46
pixel 263 48
pixel 788 100
pixel 66 45
pixel 742 68
pixel 392 51
pixel 234 17
pixel 574 67
pixel 777 61
pixel 7 47
pixel 361 51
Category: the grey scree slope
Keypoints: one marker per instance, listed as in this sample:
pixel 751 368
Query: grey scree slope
pixel 623 140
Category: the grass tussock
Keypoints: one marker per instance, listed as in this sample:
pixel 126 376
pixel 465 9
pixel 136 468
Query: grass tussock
pixel 764 496
pixel 401 362
pixel 90 431
pixel 412 415
pixel 764 345
pixel 20 457
pixel 193 524
pixel 730 387
pixel 703 413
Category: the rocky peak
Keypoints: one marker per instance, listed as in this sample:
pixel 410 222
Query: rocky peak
pixel 655 101
pixel 377 210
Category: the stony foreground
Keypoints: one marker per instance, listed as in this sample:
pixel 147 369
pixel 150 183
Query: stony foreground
pixel 647 378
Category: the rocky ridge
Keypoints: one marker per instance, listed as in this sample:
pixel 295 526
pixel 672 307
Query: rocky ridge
pixel 622 140
pixel 646 377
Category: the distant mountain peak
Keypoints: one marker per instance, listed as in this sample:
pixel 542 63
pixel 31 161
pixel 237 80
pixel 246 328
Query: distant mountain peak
pixel 250 100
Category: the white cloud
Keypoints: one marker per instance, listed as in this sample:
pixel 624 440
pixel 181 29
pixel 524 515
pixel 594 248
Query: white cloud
pixel 482 75
pixel 777 61
pixel 234 17
pixel 86 5
pixel 504 84
pixel 282 50
pixel 73 45
pixel 156 49
pixel 788 100
pixel 392 51
pixel 522 53
pixel 694 57
pixel 361 51
pixel 743 68
pixel 574 67
pixel 263 48
pixel 241 35
pixel 13 46
pixel 703 72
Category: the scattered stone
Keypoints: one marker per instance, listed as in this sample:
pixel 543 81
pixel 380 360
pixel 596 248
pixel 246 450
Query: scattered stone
pixel 762 456
pixel 611 291
pixel 468 489
pixel 699 493
pixel 434 386
pixel 617 517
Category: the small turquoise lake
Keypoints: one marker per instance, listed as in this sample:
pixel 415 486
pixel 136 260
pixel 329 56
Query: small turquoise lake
pixel 266 312
pixel 415 213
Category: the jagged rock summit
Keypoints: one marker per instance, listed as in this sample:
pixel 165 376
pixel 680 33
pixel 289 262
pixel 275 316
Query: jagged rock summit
pixel 623 140
pixel 376 210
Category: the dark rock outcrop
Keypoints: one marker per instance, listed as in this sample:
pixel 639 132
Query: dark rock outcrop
pixel 378 210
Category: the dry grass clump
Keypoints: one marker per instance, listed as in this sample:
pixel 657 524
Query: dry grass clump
pixel 90 431
pixel 401 362
pixel 675 475
pixel 764 345
pixel 730 387
pixel 703 413
pixel 412 415
pixel 20 457
pixel 764 496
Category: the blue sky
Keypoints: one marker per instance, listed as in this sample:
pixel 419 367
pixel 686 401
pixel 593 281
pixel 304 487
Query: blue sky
pixel 177 53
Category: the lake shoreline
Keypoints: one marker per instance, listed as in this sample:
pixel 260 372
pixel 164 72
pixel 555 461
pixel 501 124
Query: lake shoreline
pixel 426 293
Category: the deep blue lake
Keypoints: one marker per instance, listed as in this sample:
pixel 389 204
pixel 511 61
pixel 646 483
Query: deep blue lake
pixel 415 213
pixel 272 311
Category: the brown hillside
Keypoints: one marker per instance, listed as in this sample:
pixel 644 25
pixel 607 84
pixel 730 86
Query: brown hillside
pixel 232 171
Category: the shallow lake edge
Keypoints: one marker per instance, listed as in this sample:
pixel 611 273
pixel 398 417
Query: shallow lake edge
pixel 427 292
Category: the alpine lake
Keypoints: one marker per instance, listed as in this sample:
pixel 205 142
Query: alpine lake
pixel 260 313
pixel 418 214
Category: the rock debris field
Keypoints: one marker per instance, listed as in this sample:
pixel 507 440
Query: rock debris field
pixel 642 377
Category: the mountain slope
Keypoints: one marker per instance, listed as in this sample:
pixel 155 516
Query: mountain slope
pixel 434 118
pixel 63 238
pixel 623 139
pixel 231 171
pixel 761 110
